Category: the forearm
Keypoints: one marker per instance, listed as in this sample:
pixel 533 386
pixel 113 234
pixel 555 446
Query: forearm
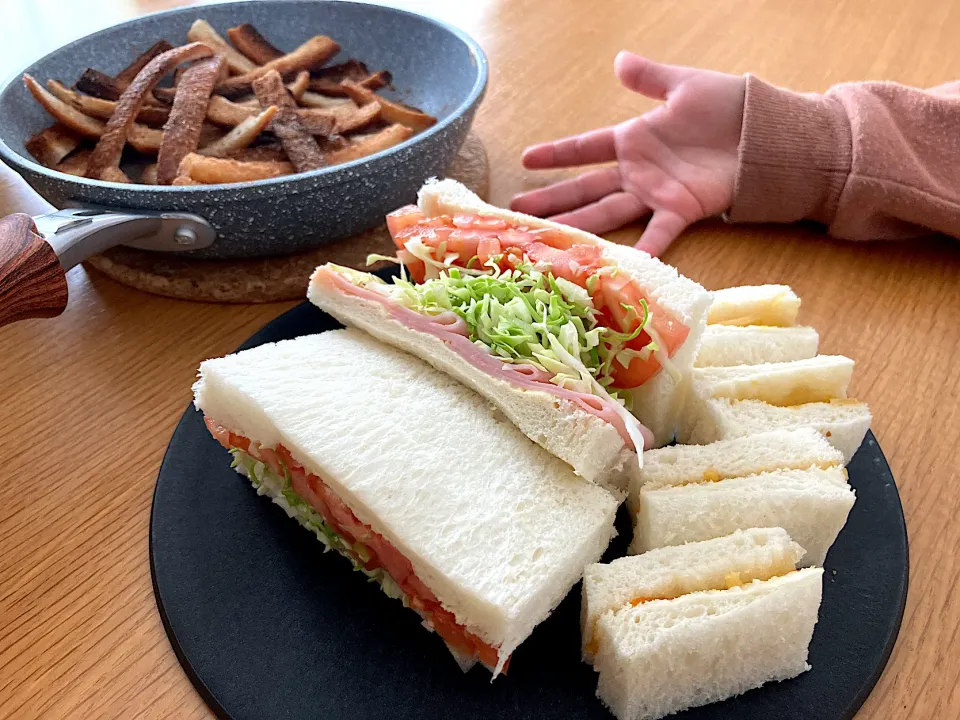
pixel 869 160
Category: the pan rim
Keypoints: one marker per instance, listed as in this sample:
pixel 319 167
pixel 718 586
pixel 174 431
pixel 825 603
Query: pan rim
pixel 322 176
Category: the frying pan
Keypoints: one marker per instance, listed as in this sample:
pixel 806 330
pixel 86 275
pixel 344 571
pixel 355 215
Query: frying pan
pixel 434 66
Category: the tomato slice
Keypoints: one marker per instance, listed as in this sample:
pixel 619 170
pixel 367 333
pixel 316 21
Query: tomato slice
pixel 402 218
pixel 479 222
pixel 383 554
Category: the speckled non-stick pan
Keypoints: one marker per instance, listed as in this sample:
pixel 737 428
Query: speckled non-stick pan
pixel 435 67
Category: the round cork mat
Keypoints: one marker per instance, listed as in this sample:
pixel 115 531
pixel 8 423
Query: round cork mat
pixel 274 279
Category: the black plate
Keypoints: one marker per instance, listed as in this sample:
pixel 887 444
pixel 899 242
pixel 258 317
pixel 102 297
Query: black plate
pixel 267 626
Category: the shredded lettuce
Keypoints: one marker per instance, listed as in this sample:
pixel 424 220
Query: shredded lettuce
pixel 519 315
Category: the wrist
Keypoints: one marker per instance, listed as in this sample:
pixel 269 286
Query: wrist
pixel 793 158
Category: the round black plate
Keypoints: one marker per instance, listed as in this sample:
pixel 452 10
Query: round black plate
pixel 268 626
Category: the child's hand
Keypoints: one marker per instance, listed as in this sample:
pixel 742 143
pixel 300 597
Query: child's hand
pixel 678 161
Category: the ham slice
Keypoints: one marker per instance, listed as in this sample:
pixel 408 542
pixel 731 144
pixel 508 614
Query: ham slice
pixel 524 376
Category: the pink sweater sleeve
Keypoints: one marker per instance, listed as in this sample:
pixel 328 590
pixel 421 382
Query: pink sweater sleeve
pixel 872 160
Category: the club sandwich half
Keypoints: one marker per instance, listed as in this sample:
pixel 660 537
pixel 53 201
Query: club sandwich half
pixel 414 479
pixel 582 343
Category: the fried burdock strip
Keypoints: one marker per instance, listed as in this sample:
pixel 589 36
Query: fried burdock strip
pixel 53 144
pixel 261 153
pixel 309 56
pixel 299 144
pixel 213 171
pixel 149 175
pixel 296 89
pixel 202 31
pixel 181 134
pixel 99 85
pixel 75 163
pixel 390 111
pixel 241 137
pixel 251 43
pixel 364 145
pixel 327 80
pixel 107 153
pixel 104 109
pixel 316 100
pixel 126 76
pixel 145 139
pixel 344 118
pixel 228 113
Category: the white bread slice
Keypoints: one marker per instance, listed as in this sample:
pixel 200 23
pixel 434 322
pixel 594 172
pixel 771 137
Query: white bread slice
pixel 589 444
pixel 842 422
pixel 775 450
pixel 773 305
pixel 498 529
pixel 664 656
pixel 669 572
pixel 724 345
pixel 811 505
pixel 659 401
pixel 816 379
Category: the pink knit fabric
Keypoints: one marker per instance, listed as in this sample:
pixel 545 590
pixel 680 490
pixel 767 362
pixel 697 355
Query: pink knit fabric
pixel 872 160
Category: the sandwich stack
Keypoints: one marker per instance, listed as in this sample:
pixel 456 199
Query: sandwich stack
pixel 686 626
pixel 793 479
pixel 757 370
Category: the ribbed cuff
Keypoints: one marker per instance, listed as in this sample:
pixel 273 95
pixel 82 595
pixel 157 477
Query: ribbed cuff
pixel 794 156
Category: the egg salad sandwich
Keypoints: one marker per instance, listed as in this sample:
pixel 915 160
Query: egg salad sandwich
pixel 792 479
pixel 685 626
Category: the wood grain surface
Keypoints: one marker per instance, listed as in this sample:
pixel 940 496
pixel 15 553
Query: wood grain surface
pixel 32 283
pixel 90 398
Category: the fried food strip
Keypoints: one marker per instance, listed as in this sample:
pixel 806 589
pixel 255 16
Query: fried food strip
pixel 296 89
pixel 75 163
pixel 251 43
pixel 327 81
pixel 181 134
pixel 242 136
pixel 104 109
pixel 211 171
pixel 202 31
pixel 53 144
pixel 110 146
pixel 149 175
pixel 316 100
pixel 363 145
pixel 344 118
pixel 226 112
pixel 185 180
pixel 311 55
pixel 261 153
pixel 126 76
pixel 390 111
pixel 299 145
pixel 99 85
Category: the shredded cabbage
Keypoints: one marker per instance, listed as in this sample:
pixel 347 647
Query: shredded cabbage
pixel 279 489
pixel 521 316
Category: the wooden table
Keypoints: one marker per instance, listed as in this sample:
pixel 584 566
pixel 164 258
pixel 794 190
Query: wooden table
pixel 90 398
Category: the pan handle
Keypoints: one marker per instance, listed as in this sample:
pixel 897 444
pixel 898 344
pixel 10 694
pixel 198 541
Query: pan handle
pixel 35 253
pixel 33 283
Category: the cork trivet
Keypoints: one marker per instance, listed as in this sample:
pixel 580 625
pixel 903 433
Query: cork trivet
pixel 267 279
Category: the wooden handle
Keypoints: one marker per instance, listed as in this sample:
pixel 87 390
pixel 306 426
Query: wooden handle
pixel 32 282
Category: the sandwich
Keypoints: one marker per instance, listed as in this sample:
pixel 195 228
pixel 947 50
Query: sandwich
pixel 792 479
pixel 728 402
pixel 726 345
pixel 687 626
pixel 755 324
pixel 414 479
pixel 582 343
pixel 768 305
